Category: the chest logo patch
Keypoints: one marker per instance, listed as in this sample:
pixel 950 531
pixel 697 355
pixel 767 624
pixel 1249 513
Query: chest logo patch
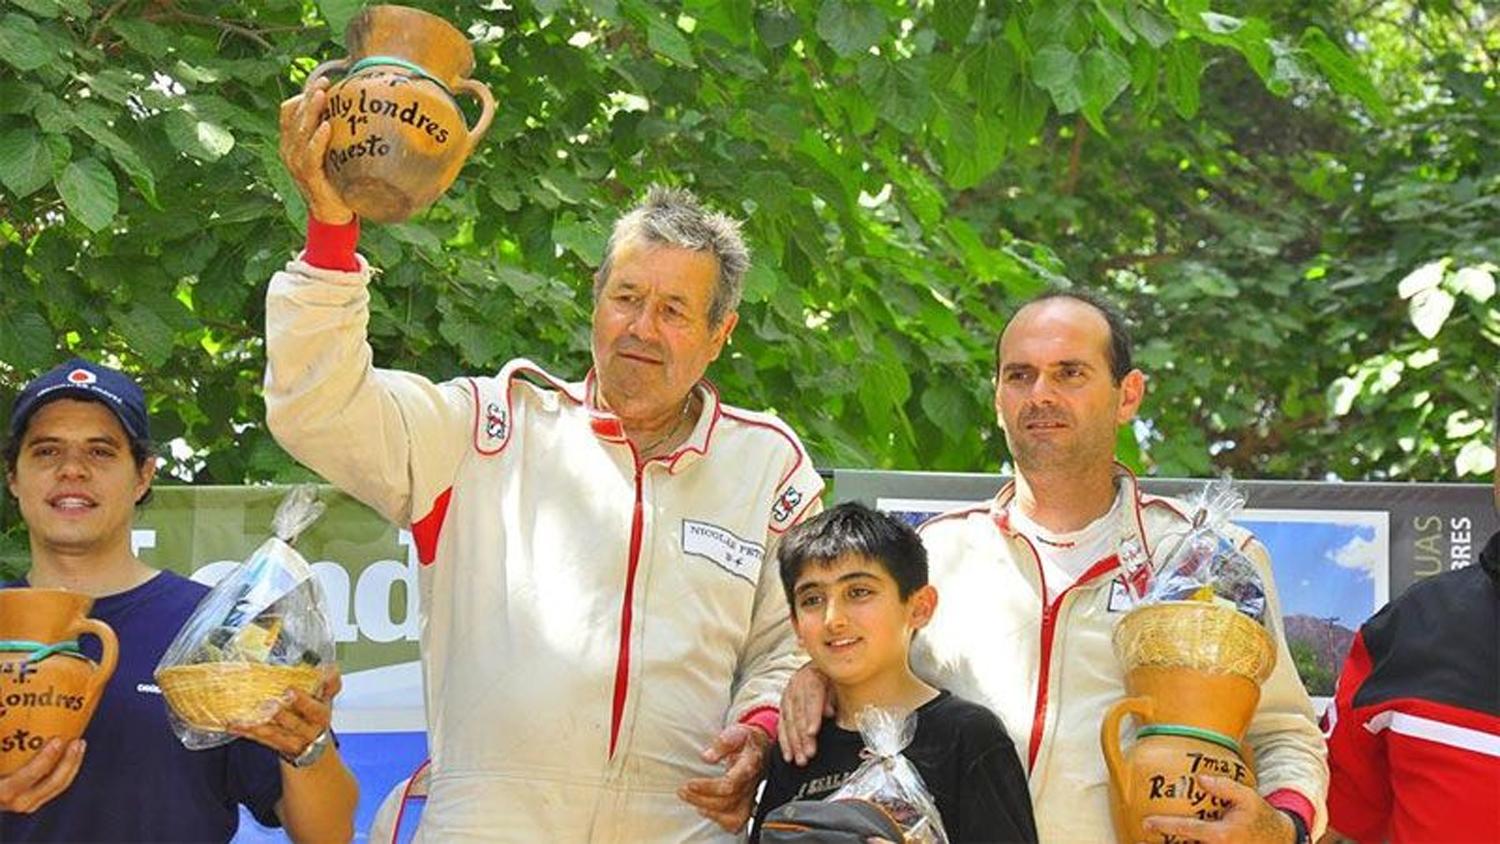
pixel 739 557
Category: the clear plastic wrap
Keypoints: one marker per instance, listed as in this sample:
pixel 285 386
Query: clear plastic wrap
pixel 1206 564
pixel 889 780
pixel 259 632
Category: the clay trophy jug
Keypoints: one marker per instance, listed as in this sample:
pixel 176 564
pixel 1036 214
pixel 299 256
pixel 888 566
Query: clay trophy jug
pixel 398 138
pixel 47 688
pixel 1192 678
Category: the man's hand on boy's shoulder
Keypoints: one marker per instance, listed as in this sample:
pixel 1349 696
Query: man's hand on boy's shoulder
pixel 806 701
pixel 728 800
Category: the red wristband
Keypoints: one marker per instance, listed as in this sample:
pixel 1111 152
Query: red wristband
pixel 330 246
pixel 1292 801
pixel 767 718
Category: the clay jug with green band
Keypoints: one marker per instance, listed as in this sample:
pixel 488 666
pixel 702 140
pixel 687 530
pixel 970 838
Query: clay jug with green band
pixel 398 138
pixel 48 689
pixel 1192 679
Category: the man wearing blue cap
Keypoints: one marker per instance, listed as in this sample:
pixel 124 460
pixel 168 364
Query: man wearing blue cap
pixel 79 459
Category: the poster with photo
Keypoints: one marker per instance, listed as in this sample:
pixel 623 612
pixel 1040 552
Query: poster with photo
pixel 1331 569
pixel 1338 551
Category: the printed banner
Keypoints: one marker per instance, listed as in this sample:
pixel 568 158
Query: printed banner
pixel 1339 551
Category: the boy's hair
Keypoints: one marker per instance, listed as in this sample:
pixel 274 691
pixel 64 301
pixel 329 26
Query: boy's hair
pixel 853 528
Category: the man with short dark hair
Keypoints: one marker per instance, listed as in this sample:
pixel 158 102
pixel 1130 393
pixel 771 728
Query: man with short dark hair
pixel 1034 586
pixel 599 593
pixel 78 459
pixel 1414 729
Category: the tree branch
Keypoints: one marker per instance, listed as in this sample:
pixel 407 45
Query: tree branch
pixel 174 14
pixel 1116 262
pixel 1075 158
pixel 104 19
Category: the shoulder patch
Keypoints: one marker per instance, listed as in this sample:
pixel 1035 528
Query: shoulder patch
pixel 494 401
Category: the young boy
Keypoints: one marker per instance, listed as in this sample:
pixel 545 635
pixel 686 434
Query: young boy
pixel 856 580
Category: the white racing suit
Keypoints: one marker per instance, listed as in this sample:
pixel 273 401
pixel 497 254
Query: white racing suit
pixel 588 627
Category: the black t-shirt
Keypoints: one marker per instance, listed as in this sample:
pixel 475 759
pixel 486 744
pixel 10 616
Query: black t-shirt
pixel 962 752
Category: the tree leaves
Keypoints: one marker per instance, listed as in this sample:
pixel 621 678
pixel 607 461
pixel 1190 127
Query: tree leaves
pixel 850 27
pixel 21 43
pixel 1422 279
pixel 1106 75
pixel 1152 27
pixel 27 341
pixel 1056 70
pixel 25 163
pixel 777 26
pixel 583 238
pixel 667 40
pixel 338 13
pixel 1183 69
pixel 953 19
pixel 201 139
pixel 1341 71
pixel 88 189
pixel 907 174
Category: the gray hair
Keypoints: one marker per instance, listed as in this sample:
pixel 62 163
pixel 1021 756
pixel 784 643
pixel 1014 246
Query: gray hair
pixel 674 217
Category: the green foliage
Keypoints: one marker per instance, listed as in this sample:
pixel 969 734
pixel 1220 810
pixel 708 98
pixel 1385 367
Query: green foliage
pixel 1317 677
pixel 909 172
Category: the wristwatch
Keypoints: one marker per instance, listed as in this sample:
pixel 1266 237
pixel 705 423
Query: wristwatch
pixel 310 754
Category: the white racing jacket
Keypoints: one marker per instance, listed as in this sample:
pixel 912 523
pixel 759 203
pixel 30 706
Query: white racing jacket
pixel 1050 672
pixel 588 627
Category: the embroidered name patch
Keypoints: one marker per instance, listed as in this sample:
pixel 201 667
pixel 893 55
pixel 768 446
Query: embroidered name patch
pixel 739 557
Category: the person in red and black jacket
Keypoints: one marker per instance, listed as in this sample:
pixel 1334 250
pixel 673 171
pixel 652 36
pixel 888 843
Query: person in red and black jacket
pixel 1414 730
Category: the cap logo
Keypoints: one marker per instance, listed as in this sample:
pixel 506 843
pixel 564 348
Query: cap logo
pixel 82 376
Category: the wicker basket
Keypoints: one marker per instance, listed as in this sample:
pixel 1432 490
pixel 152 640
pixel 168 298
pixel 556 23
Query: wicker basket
pixel 1197 635
pixel 212 695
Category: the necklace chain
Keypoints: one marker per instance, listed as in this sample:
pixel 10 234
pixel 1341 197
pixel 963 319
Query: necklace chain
pixel 647 450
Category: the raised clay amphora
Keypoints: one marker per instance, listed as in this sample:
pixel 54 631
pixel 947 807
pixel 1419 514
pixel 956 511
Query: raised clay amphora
pixel 1192 678
pixel 398 138
pixel 47 688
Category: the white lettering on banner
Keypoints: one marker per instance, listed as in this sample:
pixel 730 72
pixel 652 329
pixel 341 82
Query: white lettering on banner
pixel 739 557
pixel 360 609
pixel 334 579
pixel 372 597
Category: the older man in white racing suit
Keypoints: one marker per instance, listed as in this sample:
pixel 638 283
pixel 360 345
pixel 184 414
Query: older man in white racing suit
pixel 601 626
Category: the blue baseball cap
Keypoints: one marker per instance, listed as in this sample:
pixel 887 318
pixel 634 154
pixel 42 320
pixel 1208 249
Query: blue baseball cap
pixel 82 379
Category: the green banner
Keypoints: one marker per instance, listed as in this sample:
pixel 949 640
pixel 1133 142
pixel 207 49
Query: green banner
pixel 367 568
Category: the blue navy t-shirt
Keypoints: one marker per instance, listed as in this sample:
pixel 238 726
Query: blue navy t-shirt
pixel 137 781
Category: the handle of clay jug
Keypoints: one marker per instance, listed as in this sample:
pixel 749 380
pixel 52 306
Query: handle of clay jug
pixel 109 654
pixel 481 92
pixel 1109 741
pixel 323 70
